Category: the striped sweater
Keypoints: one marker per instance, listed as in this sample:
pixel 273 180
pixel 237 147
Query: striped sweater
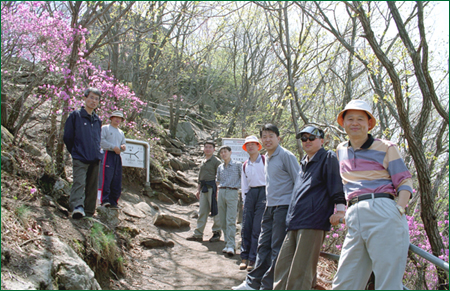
pixel 376 167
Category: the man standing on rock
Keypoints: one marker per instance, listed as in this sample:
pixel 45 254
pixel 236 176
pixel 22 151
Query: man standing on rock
pixel 253 186
pixel 373 174
pixel 229 181
pixel 207 194
pixel 281 170
pixel 113 143
pixel 317 190
pixel 82 138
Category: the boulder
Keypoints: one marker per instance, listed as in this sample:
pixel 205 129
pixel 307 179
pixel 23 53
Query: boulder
pixel 170 221
pixel 31 149
pixel 8 163
pixel 131 230
pixel 132 211
pixel 69 271
pixel 7 138
pixel 145 208
pixel 108 216
pixel 176 164
pixel 130 197
pixel 152 243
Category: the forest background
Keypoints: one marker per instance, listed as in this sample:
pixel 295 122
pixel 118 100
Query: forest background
pixel 240 65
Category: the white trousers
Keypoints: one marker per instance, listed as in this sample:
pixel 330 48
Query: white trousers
pixel 377 240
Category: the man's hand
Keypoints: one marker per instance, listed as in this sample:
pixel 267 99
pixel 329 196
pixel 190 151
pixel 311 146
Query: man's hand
pixel 334 219
pixel 117 150
pixel 123 147
pixel 197 194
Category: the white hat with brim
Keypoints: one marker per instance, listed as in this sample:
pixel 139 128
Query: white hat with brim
pixel 117 114
pixel 251 138
pixel 356 105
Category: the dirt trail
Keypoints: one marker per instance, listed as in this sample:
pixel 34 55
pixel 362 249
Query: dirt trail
pixel 188 265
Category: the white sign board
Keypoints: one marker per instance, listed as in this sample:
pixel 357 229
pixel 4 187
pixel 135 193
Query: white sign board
pixel 237 153
pixel 133 156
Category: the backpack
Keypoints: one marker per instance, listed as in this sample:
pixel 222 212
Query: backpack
pixel 245 163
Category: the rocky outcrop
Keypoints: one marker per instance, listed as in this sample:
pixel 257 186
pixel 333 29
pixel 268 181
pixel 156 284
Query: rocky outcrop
pixel 57 267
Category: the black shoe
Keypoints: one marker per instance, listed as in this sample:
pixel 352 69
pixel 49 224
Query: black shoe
pixel 215 237
pixel 194 238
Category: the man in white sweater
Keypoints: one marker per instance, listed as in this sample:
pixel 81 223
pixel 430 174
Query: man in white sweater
pixel 112 142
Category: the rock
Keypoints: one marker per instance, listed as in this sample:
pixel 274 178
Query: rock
pixel 169 185
pixel 176 142
pixel 156 180
pixel 61 192
pixel 130 197
pixel 31 149
pixel 132 211
pixel 7 137
pixel 166 220
pixel 174 151
pixel 156 243
pixel 147 209
pixel 108 216
pixel 8 163
pixel 191 134
pixel 176 164
pixel 164 198
pixel 58 267
pixel 69 271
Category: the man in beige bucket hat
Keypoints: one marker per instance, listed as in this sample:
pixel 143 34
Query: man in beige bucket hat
pixel 113 143
pixel 374 176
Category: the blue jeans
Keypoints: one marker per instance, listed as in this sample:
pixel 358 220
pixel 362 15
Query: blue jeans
pixel 255 203
pixel 273 231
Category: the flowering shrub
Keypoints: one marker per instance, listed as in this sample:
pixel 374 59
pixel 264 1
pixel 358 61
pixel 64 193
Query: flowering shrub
pixel 44 41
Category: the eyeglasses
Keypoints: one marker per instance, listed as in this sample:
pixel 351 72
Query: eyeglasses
pixel 311 138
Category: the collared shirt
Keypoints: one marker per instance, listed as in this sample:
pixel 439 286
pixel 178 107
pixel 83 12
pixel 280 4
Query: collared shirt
pixel 376 167
pixel 254 175
pixel 317 189
pixel 281 172
pixel 230 175
pixel 208 169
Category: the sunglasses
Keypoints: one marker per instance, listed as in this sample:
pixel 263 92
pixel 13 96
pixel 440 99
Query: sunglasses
pixel 311 138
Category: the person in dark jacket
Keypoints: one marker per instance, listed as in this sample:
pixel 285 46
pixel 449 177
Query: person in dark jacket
pixel 82 138
pixel 317 190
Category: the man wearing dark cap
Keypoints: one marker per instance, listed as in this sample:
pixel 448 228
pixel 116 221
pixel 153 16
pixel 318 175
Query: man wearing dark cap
pixel 228 180
pixel 373 174
pixel 207 194
pixel 317 191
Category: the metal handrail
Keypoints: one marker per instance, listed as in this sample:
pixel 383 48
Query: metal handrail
pixel 427 256
pixel 415 249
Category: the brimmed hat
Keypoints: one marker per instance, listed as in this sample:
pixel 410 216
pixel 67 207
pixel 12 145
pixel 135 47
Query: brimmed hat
pixel 251 138
pixel 356 105
pixel 117 114
pixel 225 147
pixel 311 130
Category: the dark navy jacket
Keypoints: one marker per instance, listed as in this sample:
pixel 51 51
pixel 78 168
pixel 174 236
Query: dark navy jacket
pixel 82 134
pixel 317 189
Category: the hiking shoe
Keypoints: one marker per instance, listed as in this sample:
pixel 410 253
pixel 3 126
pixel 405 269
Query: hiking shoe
pixel 243 265
pixel 230 252
pixel 225 249
pixel 106 204
pixel 78 212
pixel 194 238
pixel 215 237
pixel 243 286
pixel 251 266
